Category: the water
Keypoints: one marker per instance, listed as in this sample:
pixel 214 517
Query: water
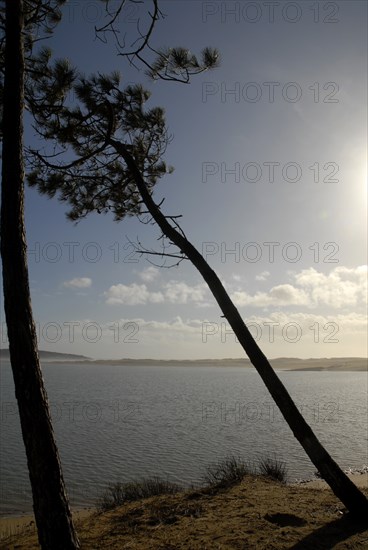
pixel 119 423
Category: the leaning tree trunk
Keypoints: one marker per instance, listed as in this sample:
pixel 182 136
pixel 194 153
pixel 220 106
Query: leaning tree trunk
pixel 51 508
pixel 341 485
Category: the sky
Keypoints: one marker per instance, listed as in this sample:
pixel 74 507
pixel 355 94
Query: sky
pixel 270 178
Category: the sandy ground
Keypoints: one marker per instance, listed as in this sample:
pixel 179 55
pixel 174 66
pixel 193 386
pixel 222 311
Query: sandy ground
pixel 258 514
pixel 14 525
pixel 360 480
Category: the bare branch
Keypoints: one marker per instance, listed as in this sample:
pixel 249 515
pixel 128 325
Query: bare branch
pixel 143 37
pixel 113 16
pixel 143 251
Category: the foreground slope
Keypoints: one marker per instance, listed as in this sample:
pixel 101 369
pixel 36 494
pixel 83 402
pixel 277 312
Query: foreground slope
pixel 257 514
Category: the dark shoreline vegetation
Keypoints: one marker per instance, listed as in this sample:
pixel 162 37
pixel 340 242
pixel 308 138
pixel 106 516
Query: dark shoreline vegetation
pixel 218 476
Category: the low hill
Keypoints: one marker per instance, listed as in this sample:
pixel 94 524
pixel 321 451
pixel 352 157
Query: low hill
pixel 280 363
pixel 49 356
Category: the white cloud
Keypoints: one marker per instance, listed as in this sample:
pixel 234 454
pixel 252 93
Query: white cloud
pixel 280 295
pixel 132 295
pixel 177 292
pixel 343 286
pixel 263 276
pixel 173 292
pixel 177 324
pixel 78 282
pixel 345 324
pixel 149 274
pixel 288 295
pixel 280 333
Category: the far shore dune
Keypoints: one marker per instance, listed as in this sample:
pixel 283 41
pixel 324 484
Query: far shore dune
pixel 332 364
pixel 280 363
pixel 283 363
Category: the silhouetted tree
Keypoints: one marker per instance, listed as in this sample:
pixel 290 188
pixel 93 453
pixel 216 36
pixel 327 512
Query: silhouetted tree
pixel 24 72
pixel 118 148
pixel 51 508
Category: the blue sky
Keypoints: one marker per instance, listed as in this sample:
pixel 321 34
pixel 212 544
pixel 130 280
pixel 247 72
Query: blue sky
pixel 270 176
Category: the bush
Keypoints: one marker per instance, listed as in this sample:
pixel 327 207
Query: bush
pixel 226 473
pixel 273 468
pixel 117 494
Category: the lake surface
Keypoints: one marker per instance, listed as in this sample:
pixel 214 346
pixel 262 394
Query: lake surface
pixel 119 423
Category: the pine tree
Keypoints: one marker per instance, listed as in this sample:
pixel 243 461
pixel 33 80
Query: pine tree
pixel 118 147
pixel 25 76
pixel 51 508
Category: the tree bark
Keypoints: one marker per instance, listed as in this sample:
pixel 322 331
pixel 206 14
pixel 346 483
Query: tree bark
pixel 354 500
pixel 51 508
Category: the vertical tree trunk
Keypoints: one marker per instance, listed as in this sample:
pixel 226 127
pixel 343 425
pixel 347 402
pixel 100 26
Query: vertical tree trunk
pixel 52 513
pixel 341 485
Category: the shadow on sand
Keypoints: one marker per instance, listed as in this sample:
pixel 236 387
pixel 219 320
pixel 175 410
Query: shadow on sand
pixel 326 537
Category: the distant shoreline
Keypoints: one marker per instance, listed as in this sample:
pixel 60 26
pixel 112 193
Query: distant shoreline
pixel 172 364
pixel 333 364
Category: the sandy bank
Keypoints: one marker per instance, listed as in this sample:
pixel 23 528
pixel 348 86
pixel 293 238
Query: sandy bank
pixel 256 514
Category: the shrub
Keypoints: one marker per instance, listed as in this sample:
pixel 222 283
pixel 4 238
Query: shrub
pixel 226 473
pixel 273 468
pixel 117 494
